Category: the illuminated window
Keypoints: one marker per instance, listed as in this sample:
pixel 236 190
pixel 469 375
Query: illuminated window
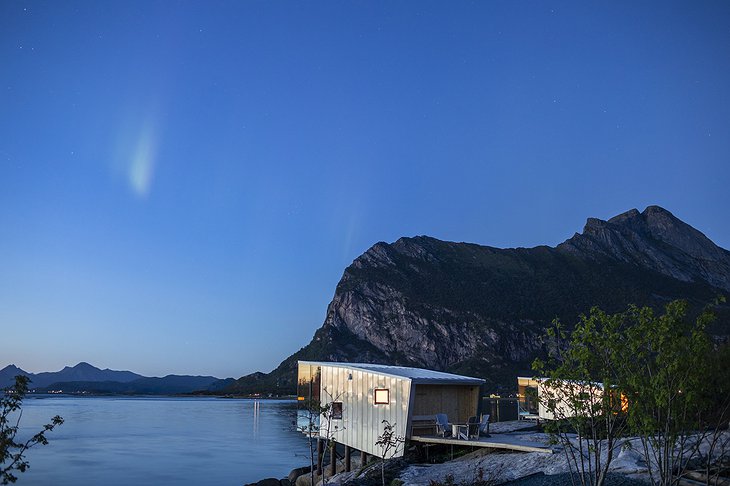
pixel 382 396
pixel 308 383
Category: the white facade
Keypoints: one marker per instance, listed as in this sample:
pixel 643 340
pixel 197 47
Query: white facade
pixel 354 386
pixel 570 398
pixel 563 395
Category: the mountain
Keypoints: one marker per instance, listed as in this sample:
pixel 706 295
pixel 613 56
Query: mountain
pixel 8 374
pixel 85 377
pixel 82 372
pixel 658 241
pixel 478 310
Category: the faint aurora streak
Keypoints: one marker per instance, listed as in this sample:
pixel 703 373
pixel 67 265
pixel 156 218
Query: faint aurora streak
pixel 142 164
pixel 136 156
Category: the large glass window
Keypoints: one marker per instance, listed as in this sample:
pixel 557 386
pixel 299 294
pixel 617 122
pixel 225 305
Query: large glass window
pixel 308 382
pixel 527 395
pixel 308 395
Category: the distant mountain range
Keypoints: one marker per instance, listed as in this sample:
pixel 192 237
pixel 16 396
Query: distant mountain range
pixel 482 311
pixel 87 378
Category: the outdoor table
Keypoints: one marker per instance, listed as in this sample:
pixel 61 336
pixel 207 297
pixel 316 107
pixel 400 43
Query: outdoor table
pixel 460 431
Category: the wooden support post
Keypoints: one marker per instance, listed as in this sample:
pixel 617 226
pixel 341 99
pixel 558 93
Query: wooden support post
pixel 320 453
pixel 363 459
pixel 348 459
pixel 333 458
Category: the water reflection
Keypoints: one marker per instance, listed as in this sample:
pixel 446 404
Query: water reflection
pixel 122 441
pixel 256 408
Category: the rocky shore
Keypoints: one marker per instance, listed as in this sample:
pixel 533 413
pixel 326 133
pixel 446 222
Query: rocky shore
pixel 482 467
pixel 485 467
pixel 359 476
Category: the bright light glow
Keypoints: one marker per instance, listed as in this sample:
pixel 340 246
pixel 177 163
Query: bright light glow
pixel 141 166
pixel 382 396
pixel 134 155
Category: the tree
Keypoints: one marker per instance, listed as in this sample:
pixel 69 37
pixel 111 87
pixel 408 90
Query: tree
pixel 12 450
pixel 715 425
pixel 319 421
pixel 579 391
pixel 668 382
pixel 388 442
pixel 312 410
pixel 655 377
pixel 328 428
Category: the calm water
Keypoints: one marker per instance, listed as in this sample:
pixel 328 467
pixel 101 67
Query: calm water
pixel 110 441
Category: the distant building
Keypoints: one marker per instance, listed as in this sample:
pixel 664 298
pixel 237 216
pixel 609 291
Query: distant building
pixel 540 398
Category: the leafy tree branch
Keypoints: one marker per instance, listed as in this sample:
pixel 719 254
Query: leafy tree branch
pixel 12 450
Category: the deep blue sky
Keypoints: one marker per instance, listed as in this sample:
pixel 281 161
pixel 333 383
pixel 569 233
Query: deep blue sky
pixel 183 183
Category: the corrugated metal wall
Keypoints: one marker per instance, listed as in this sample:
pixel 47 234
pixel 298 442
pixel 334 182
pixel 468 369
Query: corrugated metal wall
pixel 361 422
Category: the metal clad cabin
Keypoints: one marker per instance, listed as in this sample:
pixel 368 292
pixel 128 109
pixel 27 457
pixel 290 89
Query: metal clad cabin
pixel 366 394
pixel 535 393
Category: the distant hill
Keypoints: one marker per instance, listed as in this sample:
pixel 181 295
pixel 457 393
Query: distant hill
pixel 82 372
pixel 168 385
pixel 8 374
pixel 85 377
pixel 481 311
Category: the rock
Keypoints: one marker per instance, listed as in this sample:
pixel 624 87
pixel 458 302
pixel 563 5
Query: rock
pixel 482 311
pixel 295 473
pixel 305 480
pixel 266 482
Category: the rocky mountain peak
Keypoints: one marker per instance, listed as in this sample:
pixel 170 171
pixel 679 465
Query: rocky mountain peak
pixel 482 311
pixel 665 227
pixel 415 247
pixel 629 218
pixel 376 256
pixel 655 240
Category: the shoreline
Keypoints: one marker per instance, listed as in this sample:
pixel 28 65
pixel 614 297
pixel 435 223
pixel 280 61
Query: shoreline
pixel 486 466
pixel 152 395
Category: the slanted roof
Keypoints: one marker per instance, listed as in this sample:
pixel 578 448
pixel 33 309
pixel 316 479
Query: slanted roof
pixel 539 380
pixel 416 375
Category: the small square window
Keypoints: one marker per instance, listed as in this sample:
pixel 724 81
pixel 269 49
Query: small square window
pixel 382 396
pixel 337 410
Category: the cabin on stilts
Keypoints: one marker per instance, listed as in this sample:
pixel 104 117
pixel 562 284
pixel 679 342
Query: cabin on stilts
pixel 361 396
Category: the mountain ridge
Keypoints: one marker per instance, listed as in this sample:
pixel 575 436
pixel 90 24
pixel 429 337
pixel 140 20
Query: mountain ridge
pixel 86 377
pixel 480 310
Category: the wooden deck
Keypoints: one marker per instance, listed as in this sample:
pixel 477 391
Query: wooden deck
pixel 497 441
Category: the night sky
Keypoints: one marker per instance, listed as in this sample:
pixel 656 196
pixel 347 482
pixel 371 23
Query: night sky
pixel 183 183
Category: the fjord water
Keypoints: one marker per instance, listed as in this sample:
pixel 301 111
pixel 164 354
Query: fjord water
pixel 162 440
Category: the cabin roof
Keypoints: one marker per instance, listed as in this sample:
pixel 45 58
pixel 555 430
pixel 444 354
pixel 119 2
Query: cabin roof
pixel 537 380
pixel 416 375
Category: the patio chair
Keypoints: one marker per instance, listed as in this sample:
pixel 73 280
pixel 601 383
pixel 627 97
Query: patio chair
pixel 484 426
pixel 443 427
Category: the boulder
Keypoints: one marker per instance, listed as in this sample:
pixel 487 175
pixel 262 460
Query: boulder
pixel 295 473
pixel 266 482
